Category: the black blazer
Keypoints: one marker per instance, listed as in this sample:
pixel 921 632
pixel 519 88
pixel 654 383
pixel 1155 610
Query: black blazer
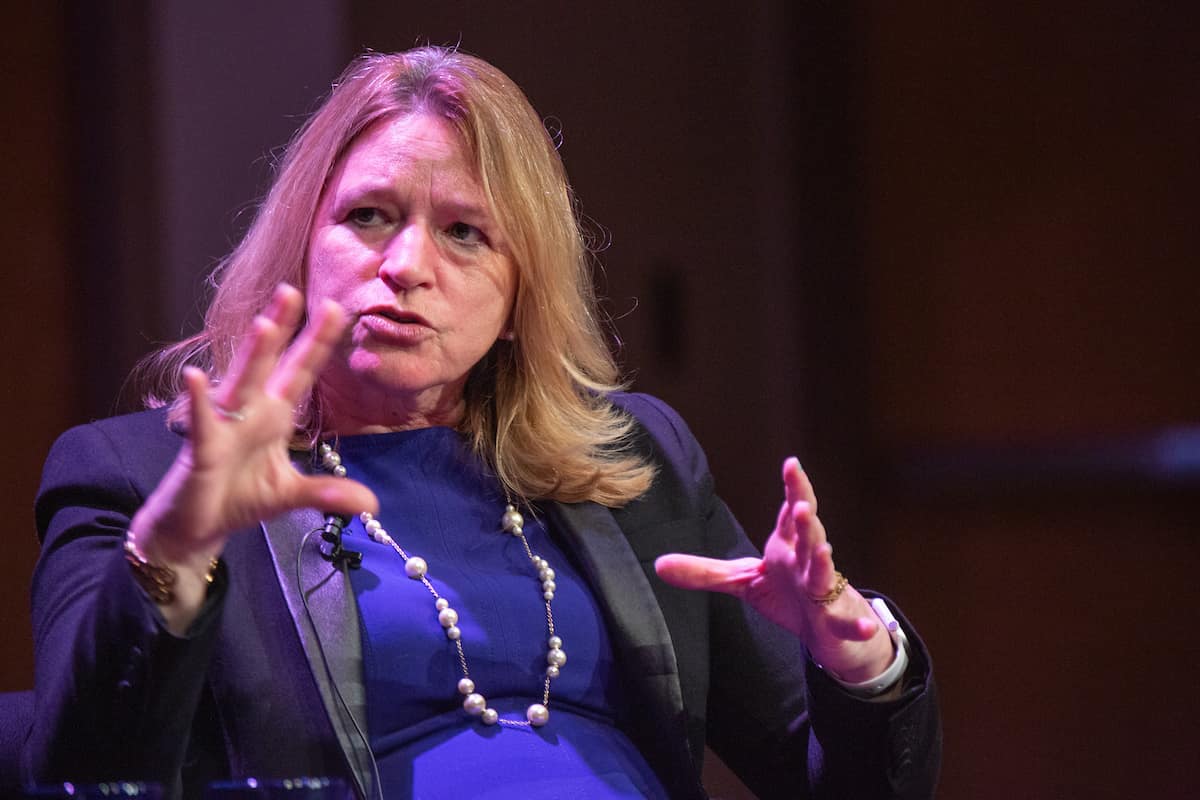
pixel 263 686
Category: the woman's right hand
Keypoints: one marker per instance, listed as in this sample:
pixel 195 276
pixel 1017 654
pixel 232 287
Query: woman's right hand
pixel 233 470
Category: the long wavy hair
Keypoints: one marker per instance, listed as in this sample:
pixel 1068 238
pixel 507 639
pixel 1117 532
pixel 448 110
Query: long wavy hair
pixel 536 406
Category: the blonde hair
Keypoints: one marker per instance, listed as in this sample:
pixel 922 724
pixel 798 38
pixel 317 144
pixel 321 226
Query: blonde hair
pixel 536 407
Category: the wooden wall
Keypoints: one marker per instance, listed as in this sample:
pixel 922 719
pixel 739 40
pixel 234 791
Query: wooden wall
pixel 945 252
pixel 1029 220
pixel 38 336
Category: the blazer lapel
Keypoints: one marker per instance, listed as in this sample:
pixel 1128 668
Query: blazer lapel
pixel 321 601
pixel 639 635
pixel 330 634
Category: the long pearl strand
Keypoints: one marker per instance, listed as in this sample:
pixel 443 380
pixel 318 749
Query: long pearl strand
pixel 415 567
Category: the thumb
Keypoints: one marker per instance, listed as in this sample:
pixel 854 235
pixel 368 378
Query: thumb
pixel 709 574
pixel 336 495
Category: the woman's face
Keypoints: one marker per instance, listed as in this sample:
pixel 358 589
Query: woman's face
pixel 405 241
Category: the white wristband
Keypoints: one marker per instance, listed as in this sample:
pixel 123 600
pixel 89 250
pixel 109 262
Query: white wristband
pixel 895 671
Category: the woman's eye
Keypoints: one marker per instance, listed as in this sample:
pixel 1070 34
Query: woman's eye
pixel 464 233
pixel 365 217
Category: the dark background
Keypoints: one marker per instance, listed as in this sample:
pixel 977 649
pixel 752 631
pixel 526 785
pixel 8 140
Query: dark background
pixel 945 252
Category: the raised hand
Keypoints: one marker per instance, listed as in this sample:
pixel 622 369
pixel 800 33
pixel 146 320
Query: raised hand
pixel 233 469
pixel 796 586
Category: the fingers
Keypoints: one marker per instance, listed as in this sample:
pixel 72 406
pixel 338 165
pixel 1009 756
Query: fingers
pixel 797 523
pixel 201 418
pixel 710 574
pixel 864 628
pixel 336 495
pixel 265 362
pixel 796 485
pixel 851 617
pixel 853 628
pixel 258 353
pixel 822 576
pixel 300 365
pixel 807 535
pixel 796 489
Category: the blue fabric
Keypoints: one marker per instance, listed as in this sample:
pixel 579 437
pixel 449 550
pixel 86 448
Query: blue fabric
pixel 438 502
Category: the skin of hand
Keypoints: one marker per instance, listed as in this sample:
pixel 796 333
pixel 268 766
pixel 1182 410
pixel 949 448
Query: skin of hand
pixel 231 473
pixel 845 636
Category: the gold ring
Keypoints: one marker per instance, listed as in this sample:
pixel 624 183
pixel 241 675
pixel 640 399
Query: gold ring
pixel 839 586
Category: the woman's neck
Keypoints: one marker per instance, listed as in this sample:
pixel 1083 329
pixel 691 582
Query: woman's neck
pixel 384 414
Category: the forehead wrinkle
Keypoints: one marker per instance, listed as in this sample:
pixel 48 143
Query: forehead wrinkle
pixel 461 197
pixel 391 160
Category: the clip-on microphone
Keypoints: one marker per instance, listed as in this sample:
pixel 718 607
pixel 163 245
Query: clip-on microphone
pixel 332 533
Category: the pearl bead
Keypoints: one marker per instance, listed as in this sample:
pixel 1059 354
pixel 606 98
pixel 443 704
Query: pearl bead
pixel 537 714
pixel 474 704
pixel 416 568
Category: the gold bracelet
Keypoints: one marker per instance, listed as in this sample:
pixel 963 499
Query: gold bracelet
pixel 157 580
pixel 839 586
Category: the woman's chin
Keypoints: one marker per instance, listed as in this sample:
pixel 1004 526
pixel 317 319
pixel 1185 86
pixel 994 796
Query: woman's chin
pixel 389 385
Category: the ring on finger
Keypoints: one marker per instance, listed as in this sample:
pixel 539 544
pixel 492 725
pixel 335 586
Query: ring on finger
pixel 839 586
pixel 230 415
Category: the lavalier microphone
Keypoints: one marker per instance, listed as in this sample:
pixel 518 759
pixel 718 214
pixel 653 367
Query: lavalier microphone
pixel 338 553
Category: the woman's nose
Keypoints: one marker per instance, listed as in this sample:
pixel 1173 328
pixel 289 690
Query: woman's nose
pixel 409 259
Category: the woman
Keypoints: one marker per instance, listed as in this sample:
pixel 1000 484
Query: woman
pixel 218 595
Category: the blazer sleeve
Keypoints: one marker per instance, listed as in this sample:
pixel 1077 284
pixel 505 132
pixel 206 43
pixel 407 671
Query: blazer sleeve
pixel 776 719
pixel 115 691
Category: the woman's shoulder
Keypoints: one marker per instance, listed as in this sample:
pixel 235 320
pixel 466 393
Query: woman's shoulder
pixel 672 446
pixel 141 429
pixel 659 419
pixel 142 438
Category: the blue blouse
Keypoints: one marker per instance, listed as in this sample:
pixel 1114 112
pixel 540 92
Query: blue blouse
pixel 439 502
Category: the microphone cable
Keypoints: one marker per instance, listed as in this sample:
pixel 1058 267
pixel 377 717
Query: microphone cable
pixel 353 559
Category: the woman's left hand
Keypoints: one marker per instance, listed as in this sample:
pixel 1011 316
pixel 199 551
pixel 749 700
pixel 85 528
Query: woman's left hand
pixel 785 585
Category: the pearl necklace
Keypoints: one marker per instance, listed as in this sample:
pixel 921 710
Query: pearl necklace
pixel 416 568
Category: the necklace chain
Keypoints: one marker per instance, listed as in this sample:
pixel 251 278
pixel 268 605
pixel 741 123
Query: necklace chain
pixel 416 568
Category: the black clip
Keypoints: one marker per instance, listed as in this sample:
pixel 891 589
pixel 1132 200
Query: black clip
pixel 338 553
